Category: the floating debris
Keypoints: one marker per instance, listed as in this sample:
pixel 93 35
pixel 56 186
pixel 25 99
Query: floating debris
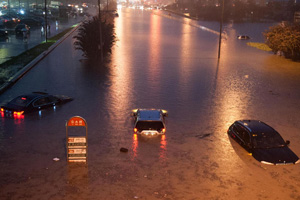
pixel 124 150
pixel 203 135
pixel 56 159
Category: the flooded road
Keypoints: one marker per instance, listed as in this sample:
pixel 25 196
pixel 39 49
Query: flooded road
pixel 157 62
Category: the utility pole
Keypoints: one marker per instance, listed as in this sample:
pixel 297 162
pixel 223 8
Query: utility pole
pixel 46 32
pixel 100 30
pixel 221 24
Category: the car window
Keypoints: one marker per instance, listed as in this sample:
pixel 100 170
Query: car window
pixel 234 128
pixel 242 133
pixel 149 125
pixel 268 140
pixel 42 101
pixel 246 137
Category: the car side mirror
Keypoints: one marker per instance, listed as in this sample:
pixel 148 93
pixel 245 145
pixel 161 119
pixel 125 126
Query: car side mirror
pixel 134 112
pixel 287 142
pixel 165 113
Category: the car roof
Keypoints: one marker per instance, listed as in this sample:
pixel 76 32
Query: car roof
pixel 257 127
pixel 33 95
pixel 149 114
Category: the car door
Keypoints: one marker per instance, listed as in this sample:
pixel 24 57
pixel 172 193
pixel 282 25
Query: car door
pixel 42 103
pixel 244 136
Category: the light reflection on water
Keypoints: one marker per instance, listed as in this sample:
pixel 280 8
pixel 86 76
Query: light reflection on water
pixel 121 77
pixel 153 146
pixel 154 66
pixel 185 67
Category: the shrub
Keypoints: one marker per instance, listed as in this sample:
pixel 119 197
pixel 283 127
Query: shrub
pixel 285 39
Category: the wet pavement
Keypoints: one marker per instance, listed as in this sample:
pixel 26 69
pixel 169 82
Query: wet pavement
pixel 16 44
pixel 157 62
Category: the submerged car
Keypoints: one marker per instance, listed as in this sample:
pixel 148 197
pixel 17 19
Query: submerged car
pixel 3 32
pixel 243 37
pixel 149 121
pixel 263 142
pixel 33 102
pixel 20 28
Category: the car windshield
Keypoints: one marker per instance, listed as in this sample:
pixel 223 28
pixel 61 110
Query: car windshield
pixel 268 140
pixel 21 101
pixel 149 125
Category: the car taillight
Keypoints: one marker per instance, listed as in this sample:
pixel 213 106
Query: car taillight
pixel 135 130
pixel 18 113
pixel 163 130
pixel 2 109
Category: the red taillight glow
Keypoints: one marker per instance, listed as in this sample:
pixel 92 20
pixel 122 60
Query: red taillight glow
pixel 135 130
pixel 163 130
pixel 23 98
pixel 2 109
pixel 18 113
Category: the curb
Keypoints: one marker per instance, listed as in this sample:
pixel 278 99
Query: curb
pixel 34 62
pixel 181 14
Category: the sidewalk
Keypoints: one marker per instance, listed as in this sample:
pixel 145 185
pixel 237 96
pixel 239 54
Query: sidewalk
pixel 35 61
pixel 15 45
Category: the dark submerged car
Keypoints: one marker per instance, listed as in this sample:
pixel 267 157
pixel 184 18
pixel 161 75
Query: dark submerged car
pixel 243 37
pixel 20 28
pixel 33 102
pixel 263 142
pixel 3 32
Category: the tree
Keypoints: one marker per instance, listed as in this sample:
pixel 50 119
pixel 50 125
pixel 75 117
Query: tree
pixel 286 39
pixel 88 38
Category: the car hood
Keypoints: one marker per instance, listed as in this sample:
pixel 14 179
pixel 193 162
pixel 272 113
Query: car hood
pixel 64 98
pixel 280 155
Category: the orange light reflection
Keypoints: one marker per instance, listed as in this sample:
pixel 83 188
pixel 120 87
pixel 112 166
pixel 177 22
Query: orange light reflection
pixel 135 145
pixel 163 148
pixel 155 51
pixel 120 78
pixel 185 70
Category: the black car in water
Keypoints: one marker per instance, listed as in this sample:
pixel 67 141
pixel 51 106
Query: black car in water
pixel 20 28
pixel 32 102
pixel 263 142
pixel 3 32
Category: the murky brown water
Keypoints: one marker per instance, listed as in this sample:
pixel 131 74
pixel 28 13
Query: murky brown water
pixel 157 62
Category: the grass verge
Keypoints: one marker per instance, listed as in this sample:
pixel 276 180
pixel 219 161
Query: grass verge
pixel 12 66
pixel 261 46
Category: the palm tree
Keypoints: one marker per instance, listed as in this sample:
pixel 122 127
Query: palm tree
pixel 88 38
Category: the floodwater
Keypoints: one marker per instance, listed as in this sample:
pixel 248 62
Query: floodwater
pixel 158 61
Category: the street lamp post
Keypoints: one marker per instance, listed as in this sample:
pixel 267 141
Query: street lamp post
pixel 221 24
pixel 100 30
pixel 45 29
